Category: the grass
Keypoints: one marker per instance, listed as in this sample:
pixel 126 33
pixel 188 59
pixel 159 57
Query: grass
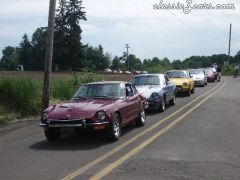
pixel 21 97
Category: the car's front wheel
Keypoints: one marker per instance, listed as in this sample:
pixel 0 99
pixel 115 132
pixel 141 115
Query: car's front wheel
pixel 193 90
pixel 115 128
pixel 52 134
pixel 172 102
pixel 141 119
pixel 163 105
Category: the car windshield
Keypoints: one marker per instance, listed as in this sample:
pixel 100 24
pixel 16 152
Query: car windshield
pixel 196 71
pixel 99 91
pixel 145 80
pixel 176 74
pixel 207 71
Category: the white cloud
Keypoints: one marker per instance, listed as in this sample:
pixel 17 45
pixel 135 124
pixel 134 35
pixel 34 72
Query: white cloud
pixel 149 32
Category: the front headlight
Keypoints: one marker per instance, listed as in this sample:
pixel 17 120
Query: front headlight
pixel 185 84
pixel 101 115
pixel 44 116
pixel 155 96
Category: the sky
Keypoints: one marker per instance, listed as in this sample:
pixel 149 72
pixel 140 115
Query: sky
pixel 149 32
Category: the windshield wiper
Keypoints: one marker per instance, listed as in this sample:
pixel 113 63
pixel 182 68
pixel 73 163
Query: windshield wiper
pixel 103 97
pixel 79 97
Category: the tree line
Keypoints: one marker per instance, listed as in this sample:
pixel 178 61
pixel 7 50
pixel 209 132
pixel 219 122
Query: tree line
pixel 71 54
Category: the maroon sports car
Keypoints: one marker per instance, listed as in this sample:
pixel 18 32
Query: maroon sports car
pixel 96 106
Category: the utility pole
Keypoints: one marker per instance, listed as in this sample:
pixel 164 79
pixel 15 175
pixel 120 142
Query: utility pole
pixel 49 54
pixel 229 46
pixel 127 47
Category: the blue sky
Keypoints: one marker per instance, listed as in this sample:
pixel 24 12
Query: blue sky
pixel 113 23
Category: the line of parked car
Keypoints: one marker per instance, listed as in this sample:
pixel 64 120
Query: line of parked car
pixel 110 105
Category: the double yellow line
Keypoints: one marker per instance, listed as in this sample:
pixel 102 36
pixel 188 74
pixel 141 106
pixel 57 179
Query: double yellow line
pixel 112 166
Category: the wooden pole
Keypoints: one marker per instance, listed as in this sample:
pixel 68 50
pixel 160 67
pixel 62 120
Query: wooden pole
pixel 229 45
pixel 48 56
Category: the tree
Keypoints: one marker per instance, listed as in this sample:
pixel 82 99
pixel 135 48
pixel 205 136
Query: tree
pixel 68 51
pixel 116 63
pixel 38 42
pixel 9 59
pixel 176 64
pixel 24 52
pixel 237 57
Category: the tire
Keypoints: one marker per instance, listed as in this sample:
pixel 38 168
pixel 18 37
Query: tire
pixel 141 119
pixel 115 128
pixel 172 102
pixel 192 90
pixel 52 134
pixel 162 107
pixel 189 91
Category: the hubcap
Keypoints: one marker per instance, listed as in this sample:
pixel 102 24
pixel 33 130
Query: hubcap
pixel 116 128
pixel 143 116
pixel 163 105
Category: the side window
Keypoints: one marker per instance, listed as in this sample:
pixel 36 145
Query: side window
pixel 134 89
pixel 166 79
pixel 129 90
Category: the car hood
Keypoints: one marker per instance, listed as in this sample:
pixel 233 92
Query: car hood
pixel 80 110
pixel 198 76
pixel 179 81
pixel 147 90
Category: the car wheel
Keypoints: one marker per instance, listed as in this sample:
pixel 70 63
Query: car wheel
pixel 193 90
pixel 115 128
pixel 52 134
pixel 189 91
pixel 172 102
pixel 141 119
pixel 163 105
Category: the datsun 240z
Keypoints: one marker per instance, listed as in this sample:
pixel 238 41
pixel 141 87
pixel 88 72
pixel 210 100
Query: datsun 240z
pixel 157 89
pixel 99 106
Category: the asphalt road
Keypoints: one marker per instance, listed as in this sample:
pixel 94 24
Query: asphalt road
pixel 196 139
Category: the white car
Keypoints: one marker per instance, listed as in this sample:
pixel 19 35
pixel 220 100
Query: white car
pixel 108 70
pixel 199 77
pixel 157 89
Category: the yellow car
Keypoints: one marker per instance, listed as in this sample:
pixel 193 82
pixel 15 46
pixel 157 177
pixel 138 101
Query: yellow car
pixel 183 81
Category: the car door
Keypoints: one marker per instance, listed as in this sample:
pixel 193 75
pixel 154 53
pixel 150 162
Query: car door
pixel 166 88
pixel 131 105
pixel 169 87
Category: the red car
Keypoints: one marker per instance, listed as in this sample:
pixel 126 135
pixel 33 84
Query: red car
pixel 99 106
pixel 211 77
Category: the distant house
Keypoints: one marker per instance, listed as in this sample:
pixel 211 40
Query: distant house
pixel 20 67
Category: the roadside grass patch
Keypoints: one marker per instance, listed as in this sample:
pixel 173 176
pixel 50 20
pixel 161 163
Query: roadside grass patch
pixel 22 97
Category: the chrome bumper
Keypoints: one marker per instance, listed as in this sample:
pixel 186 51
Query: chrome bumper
pixel 69 123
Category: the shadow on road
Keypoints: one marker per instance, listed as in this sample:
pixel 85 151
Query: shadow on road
pixel 71 141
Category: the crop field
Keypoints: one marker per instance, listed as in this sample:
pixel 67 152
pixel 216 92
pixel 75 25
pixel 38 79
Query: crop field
pixel 60 75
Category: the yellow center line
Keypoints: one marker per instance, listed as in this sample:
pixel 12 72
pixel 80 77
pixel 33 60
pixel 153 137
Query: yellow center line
pixel 121 160
pixel 110 153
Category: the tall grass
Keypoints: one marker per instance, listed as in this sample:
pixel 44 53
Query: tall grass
pixel 23 96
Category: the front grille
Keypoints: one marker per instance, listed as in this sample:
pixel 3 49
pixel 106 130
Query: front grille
pixel 62 122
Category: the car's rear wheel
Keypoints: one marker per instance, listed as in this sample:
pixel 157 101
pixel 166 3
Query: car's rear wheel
pixel 193 90
pixel 163 105
pixel 141 119
pixel 52 134
pixel 115 128
pixel 172 102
